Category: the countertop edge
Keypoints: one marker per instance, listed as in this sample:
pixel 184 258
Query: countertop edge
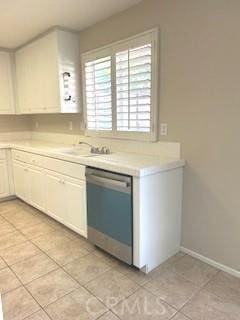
pixel 98 163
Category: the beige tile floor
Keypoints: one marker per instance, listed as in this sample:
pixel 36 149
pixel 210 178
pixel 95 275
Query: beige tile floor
pixel 49 272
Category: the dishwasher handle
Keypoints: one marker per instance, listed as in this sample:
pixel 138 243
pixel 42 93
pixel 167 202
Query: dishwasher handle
pixel 124 186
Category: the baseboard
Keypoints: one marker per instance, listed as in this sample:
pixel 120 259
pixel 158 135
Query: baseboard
pixel 7 198
pixel 211 262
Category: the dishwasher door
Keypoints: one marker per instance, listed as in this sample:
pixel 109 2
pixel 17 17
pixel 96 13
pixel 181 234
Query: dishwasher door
pixel 109 212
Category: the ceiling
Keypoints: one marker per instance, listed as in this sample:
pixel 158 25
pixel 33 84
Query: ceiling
pixel 21 20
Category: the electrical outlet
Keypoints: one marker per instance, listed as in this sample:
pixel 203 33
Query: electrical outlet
pixel 70 125
pixel 163 129
pixel 36 125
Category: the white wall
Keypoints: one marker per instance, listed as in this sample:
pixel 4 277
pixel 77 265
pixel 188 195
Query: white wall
pixel 200 100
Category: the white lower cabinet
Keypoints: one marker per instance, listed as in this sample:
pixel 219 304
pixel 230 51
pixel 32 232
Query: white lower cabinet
pixel 36 182
pixel 21 180
pixel 57 194
pixel 75 201
pixel 4 183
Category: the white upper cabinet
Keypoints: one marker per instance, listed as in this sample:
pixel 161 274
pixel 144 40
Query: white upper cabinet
pixel 6 83
pixel 48 72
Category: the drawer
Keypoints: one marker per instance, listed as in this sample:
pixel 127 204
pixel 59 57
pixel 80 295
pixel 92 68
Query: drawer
pixel 2 154
pixel 36 160
pixel 66 168
pixel 20 155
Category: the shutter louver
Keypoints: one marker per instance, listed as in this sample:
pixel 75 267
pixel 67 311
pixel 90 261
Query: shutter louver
pixel 99 94
pixel 133 89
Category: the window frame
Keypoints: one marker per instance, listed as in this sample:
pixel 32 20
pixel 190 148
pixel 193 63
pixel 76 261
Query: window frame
pixel 110 50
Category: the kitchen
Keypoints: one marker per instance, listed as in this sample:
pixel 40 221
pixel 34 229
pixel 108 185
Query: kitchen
pixel 105 189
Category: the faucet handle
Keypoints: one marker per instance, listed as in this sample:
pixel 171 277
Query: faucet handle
pixel 105 150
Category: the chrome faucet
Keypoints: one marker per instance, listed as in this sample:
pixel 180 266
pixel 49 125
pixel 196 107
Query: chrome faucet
pixel 97 150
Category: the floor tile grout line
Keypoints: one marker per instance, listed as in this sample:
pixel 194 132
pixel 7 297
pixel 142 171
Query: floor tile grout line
pixel 7 248
pixel 36 313
pixel 65 295
pixel 202 287
pixel 198 289
pixel 83 285
pixel 27 291
pixel 99 318
pixel 21 243
pixel 19 229
pixel 41 307
pixel 140 288
pixel 187 317
pixel 213 293
pixel 156 296
pixel 91 293
pixel 197 292
pixel 110 267
pixel 61 267
pixel 13 246
pixel 25 285
pixel 190 299
pixel 187 279
pixel 129 277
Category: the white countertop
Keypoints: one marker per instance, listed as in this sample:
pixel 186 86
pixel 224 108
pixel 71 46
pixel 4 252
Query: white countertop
pixel 127 163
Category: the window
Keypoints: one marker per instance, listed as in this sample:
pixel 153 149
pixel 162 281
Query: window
pixel 120 88
pixel 99 94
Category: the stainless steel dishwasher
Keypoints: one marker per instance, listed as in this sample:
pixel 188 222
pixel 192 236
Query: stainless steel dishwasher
pixel 109 212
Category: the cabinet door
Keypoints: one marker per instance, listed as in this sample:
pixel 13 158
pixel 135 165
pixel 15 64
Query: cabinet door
pixel 75 197
pixel 29 86
pixel 25 83
pixel 4 183
pixel 6 84
pixel 55 197
pixel 37 76
pixel 48 73
pixel 21 180
pixel 35 96
pixel 37 187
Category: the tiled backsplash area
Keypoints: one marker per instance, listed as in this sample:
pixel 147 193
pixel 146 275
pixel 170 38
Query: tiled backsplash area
pixel 59 123
pixel 14 123
pixel 168 149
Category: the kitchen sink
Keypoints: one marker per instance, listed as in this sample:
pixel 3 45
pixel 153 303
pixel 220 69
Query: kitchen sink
pixel 80 152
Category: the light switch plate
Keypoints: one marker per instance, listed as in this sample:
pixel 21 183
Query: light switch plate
pixel 163 129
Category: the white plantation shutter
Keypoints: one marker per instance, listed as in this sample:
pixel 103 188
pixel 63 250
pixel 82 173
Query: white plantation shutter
pixel 120 88
pixel 133 84
pixel 99 94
